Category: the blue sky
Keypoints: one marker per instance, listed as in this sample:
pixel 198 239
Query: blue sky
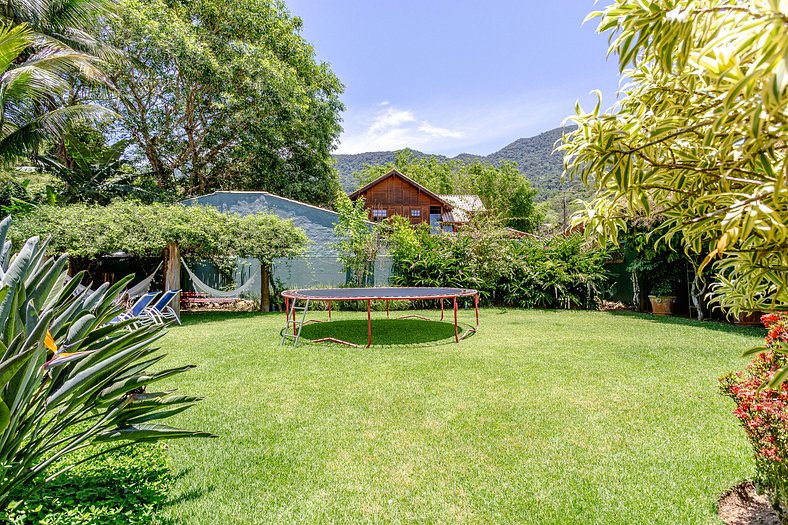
pixel 457 76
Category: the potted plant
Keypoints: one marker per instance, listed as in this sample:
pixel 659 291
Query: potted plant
pixel 663 295
pixel 658 271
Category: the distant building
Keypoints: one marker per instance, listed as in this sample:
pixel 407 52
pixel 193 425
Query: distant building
pixel 396 194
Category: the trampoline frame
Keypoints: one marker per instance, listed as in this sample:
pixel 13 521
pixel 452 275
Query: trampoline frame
pixel 292 297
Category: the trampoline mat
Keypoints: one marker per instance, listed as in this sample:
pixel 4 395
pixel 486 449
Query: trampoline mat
pixel 366 294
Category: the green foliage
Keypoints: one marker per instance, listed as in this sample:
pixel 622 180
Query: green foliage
pixel 34 72
pixel 95 172
pixel 559 272
pixel 138 229
pixel 503 190
pixel 69 378
pixel 659 265
pixel 14 197
pixel 124 487
pixel 229 95
pixel 699 135
pixel 358 241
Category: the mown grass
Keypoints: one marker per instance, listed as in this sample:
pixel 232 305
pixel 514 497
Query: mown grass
pixel 541 417
pixel 123 487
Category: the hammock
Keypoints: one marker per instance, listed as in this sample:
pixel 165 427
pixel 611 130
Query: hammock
pixel 141 288
pixel 248 286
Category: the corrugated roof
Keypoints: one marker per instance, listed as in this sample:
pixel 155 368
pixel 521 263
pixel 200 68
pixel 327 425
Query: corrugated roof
pixel 463 206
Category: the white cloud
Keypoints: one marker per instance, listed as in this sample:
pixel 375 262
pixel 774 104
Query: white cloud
pixel 391 129
pixel 390 119
pixel 445 133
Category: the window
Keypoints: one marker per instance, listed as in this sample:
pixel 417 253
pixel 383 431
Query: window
pixel 415 212
pixel 378 215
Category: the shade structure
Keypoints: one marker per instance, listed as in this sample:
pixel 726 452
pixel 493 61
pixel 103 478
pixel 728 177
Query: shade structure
pixel 305 296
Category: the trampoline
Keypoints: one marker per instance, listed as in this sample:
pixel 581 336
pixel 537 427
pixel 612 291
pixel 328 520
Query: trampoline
pixel 329 295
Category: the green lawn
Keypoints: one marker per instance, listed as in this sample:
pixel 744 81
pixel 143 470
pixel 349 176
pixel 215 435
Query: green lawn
pixel 541 417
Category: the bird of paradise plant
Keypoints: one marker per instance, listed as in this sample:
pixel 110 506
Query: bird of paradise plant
pixel 70 379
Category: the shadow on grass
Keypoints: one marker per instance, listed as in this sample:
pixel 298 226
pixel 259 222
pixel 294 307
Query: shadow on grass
pixel 719 326
pixel 195 318
pixel 385 332
pixel 122 488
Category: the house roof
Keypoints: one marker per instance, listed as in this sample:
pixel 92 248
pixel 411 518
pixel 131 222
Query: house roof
pixel 463 206
pixel 396 173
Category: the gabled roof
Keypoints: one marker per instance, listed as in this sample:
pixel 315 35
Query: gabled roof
pixel 396 173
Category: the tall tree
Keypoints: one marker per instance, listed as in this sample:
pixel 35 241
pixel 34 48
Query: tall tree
pixel 227 95
pixel 699 135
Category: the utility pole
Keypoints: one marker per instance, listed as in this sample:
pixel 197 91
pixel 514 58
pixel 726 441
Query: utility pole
pixel 564 193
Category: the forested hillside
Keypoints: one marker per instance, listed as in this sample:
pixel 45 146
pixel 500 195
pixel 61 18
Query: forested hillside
pixel 534 157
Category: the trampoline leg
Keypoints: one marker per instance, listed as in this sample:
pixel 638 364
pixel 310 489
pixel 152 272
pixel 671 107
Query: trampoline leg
pixel 293 308
pixel 456 333
pixel 369 323
pixel 387 308
pixel 441 308
pixel 329 310
pixel 476 305
pixel 300 326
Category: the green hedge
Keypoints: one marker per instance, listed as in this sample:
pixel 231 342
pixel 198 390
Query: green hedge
pixel 559 272
pixel 145 230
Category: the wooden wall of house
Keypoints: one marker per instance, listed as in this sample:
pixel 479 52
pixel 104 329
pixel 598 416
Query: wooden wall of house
pixel 399 197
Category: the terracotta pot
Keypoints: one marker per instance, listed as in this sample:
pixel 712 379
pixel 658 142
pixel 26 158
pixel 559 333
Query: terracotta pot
pixel 662 305
pixel 749 319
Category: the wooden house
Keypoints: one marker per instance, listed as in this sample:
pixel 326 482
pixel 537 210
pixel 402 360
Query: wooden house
pixel 396 194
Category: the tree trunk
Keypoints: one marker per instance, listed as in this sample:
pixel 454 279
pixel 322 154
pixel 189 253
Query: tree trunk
pixel 265 291
pixel 172 273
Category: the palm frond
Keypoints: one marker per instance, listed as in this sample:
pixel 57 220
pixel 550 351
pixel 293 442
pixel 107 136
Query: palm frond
pixel 25 139
pixel 13 40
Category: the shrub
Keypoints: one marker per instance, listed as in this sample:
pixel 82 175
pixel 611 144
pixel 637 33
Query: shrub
pixel 560 272
pixel 69 378
pixel 762 409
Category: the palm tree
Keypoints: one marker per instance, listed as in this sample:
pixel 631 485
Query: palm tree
pixel 70 23
pixel 45 45
pixel 29 87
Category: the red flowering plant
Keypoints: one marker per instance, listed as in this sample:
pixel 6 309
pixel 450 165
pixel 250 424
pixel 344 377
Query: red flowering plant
pixel 761 396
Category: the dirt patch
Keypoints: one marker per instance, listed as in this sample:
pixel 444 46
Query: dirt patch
pixel 742 506
pixel 606 306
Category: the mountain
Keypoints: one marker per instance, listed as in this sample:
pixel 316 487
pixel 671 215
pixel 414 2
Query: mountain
pixel 534 157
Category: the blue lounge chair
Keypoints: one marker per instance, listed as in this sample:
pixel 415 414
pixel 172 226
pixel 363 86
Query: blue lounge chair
pixel 161 311
pixel 137 309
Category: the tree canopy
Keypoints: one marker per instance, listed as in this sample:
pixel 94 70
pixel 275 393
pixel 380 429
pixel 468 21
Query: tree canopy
pixel 219 95
pixel 505 192
pixel 93 231
pixel 698 135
